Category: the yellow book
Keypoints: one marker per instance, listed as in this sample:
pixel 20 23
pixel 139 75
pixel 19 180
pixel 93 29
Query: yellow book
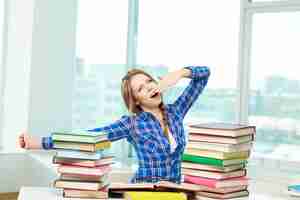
pixel 155 196
pixel 82 146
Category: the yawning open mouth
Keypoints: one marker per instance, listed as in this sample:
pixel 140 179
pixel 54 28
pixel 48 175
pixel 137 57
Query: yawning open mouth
pixel 154 95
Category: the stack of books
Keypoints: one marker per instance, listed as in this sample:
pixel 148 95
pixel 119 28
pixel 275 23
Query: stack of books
pixel 216 157
pixel 294 190
pixel 84 163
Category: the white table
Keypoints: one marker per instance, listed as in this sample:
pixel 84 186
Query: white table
pixel 45 193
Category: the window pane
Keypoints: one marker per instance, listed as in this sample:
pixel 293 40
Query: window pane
pixel 102 31
pixel 275 85
pixel 100 64
pixel 270 0
pixel 173 34
pixel 2 12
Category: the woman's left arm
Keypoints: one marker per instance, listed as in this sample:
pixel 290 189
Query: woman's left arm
pixel 199 76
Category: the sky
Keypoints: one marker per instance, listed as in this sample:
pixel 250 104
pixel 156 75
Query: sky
pixel 190 32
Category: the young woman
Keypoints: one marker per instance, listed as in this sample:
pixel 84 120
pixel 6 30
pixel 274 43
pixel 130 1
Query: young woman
pixel 154 129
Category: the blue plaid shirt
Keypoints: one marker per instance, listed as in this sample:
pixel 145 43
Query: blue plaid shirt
pixel 143 131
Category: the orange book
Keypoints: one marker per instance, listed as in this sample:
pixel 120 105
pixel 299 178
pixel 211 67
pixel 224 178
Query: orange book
pixel 79 185
pixel 99 194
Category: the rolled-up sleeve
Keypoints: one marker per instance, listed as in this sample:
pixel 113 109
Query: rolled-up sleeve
pixel 117 130
pixel 199 76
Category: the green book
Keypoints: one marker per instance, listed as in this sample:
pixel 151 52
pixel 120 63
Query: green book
pixel 213 161
pixel 79 136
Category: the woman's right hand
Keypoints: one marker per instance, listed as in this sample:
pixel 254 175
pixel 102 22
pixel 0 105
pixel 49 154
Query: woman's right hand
pixel 27 141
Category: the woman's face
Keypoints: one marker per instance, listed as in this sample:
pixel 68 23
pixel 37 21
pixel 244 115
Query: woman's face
pixel 142 87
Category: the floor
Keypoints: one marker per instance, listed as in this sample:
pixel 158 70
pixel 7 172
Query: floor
pixel 9 196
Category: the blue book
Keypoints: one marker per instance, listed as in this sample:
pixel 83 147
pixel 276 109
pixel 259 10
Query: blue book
pixel 294 187
pixel 82 154
pixel 294 190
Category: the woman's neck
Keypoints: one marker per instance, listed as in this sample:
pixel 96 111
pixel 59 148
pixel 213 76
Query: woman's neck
pixel 155 111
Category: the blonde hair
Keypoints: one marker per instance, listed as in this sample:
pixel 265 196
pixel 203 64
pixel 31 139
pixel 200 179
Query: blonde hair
pixel 130 101
pixel 127 92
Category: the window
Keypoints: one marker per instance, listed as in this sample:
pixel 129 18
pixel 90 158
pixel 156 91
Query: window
pixel 101 60
pixel 173 34
pixel 274 104
pixel 270 0
pixel 2 13
pixel 102 31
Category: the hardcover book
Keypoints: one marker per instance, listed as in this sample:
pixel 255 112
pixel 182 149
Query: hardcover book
pixel 84 155
pixel 213 161
pixel 79 185
pixel 242 193
pixel 220 139
pixel 155 196
pixel 214 183
pixel 79 136
pixel 82 146
pixel 222 129
pixel 83 162
pixel 204 167
pixel 85 171
pixel 214 175
pixel 99 194
pixel 220 147
pixel 217 154
pixel 155 186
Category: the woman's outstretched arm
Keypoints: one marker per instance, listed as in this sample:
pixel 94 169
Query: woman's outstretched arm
pixel 117 130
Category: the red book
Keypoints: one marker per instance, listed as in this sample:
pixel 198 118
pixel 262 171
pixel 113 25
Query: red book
pixel 214 183
pixel 87 171
pixel 83 163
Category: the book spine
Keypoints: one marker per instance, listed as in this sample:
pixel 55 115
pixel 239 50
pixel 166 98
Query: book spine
pixel 203 160
pixel 200 181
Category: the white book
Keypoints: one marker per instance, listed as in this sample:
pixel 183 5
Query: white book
pixel 220 147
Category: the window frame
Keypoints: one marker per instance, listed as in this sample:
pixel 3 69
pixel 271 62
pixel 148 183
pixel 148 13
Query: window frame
pixel 248 9
pixel 3 33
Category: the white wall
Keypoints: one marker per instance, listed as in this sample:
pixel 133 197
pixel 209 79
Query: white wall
pixel 13 169
pixel 23 169
pixel 2 39
pixel 52 66
pixel 40 48
pixel 16 70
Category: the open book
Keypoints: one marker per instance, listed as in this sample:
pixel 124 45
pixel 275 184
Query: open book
pixel 162 185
